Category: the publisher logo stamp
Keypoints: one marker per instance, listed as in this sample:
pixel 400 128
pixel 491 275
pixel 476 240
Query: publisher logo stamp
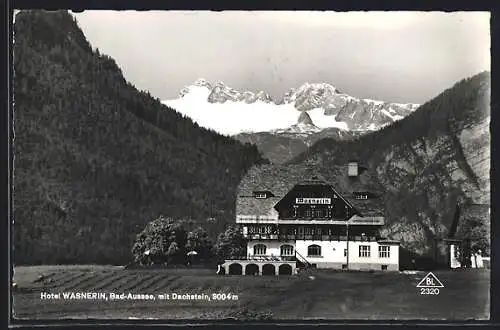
pixel 430 285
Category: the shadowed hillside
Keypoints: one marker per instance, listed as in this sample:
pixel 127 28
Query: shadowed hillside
pixel 95 159
pixel 437 156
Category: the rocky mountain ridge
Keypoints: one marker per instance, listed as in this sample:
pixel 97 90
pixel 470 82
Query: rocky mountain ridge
pixel 282 145
pixel 433 159
pixel 357 114
pixel 283 129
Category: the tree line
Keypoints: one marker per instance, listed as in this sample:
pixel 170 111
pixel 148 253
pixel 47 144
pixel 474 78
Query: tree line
pixel 95 158
pixel 166 241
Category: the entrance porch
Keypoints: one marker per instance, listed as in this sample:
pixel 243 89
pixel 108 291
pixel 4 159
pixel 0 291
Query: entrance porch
pixel 258 266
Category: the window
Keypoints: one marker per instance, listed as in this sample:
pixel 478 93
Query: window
pixel 307 230
pixel 307 213
pixel 287 250
pixel 256 230
pixel 318 231
pixel 264 230
pixel 384 251
pixel 295 213
pixel 321 213
pixel 259 249
pixel 262 194
pixel 457 252
pixel 314 251
pixel 361 195
pixel 364 251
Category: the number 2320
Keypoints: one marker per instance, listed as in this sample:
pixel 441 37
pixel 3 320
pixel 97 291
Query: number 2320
pixel 431 291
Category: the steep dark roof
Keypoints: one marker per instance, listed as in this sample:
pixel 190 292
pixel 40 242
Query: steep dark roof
pixel 280 179
pixel 468 212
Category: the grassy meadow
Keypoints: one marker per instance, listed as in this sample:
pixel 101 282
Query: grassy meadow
pixel 315 294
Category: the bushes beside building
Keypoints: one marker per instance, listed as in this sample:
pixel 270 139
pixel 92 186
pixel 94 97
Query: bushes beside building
pixel 166 241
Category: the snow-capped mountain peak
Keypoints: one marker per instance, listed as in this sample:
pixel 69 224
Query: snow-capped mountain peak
pixel 305 119
pixel 318 88
pixel 303 127
pixel 197 89
pixel 318 106
pixel 202 83
pixel 219 92
pixel 222 93
pixel 311 92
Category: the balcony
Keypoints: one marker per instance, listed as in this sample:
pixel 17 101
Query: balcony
pixel 286 237
pixel 262 236
pixel 355 220
pixel 264 258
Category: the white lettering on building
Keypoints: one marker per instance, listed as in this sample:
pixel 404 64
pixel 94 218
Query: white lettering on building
pixel 303 200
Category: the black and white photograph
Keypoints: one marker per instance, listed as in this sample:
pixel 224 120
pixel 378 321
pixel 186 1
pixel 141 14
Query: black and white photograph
pixel 250 165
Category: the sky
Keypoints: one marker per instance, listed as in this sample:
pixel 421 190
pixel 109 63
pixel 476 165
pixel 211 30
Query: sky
pixel 390 56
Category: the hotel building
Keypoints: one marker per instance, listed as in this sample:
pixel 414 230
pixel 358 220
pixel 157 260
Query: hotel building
pixel 297 216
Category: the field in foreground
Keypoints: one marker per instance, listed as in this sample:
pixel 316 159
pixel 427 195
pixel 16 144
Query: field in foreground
pixel 316 295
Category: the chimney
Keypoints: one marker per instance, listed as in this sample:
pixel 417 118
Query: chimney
pixel 352 168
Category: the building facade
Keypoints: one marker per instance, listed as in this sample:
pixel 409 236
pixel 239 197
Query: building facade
pixel 297 216
pixel 469 232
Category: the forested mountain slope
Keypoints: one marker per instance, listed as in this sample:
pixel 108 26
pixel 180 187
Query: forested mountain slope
pixel 96 159
pixel 429 161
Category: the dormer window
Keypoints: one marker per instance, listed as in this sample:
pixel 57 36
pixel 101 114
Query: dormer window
pixel 362 195
pixel 262 194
